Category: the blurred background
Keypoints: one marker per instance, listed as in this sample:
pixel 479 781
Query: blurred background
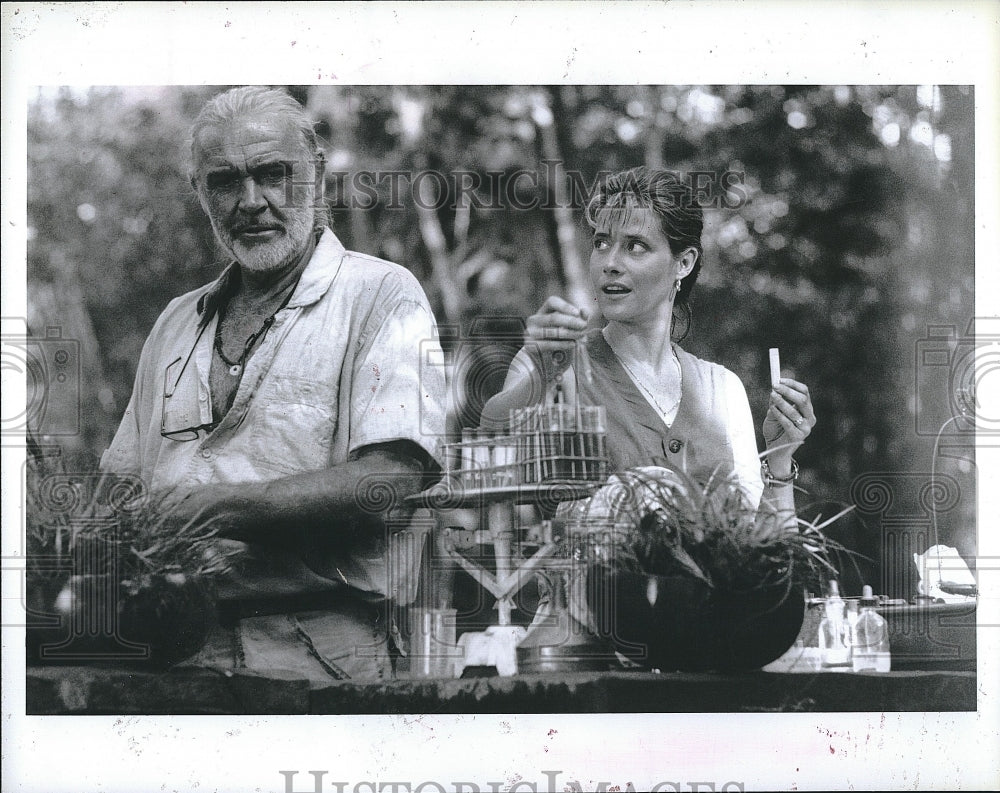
pixel 844 235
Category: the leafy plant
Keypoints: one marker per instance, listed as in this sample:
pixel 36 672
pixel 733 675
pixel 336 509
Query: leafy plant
pixel 655 521
pixel 101 553
pixel 101 524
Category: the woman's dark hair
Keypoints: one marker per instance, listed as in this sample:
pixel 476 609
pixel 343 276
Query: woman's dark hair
pixel 673 201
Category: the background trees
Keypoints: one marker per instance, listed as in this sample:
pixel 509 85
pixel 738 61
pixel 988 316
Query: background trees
pixel 850 233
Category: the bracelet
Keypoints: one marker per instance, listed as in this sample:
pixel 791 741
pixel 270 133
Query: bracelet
pixel 770 480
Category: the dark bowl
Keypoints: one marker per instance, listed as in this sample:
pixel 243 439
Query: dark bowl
pixel 154 623
pixel 679 623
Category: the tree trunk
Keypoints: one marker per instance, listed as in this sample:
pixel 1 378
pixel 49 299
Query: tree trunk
pixel 574 272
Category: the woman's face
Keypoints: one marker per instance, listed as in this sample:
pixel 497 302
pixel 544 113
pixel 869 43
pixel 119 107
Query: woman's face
pixel 632 267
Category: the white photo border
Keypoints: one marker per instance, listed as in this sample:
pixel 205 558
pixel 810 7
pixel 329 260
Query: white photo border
pixel 504 43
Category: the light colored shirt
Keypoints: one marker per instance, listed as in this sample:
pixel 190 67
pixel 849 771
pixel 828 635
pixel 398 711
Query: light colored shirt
pixel 746 460
pixel 347 363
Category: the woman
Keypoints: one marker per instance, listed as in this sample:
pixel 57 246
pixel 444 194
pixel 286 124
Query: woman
pixel 665 407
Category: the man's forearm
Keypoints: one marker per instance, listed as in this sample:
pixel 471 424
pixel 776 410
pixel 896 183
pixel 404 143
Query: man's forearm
pixel 303 507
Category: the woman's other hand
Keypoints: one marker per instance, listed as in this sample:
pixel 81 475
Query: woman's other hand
pixel 789 420
pixel 552 334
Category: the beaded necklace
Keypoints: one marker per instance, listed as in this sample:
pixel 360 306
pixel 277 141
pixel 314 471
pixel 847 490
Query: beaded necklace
pixel 236 367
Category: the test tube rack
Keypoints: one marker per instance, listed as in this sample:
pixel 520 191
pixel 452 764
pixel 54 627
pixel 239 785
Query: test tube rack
pixel 544 444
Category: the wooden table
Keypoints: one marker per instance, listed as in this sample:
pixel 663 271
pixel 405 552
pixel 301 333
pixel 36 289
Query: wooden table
pixel 107 690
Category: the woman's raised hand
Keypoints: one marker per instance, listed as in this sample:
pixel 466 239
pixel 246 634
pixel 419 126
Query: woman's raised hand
pixel 789 420
pixel 552 334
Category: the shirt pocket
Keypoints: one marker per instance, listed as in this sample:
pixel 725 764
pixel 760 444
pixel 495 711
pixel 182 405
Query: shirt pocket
pixel 293 423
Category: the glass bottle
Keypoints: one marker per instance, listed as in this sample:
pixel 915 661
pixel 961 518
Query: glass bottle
pixel 852 619
pixel 870 638
pixel 833 636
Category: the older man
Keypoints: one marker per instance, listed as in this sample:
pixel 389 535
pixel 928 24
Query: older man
pixel 274 398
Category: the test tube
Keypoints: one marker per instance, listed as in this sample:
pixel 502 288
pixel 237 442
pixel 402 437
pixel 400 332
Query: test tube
pixel 449 459
pixel 503 459
pixel 539 443
pixel 775 367
pixel 466 463
pixel 524 445
pixel 583 361
pixel 599 436
pixel 482 458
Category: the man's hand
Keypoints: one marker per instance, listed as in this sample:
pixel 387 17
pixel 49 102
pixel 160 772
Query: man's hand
pixel 200 504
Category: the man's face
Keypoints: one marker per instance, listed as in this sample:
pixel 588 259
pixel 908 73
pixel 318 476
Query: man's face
pixel 257 182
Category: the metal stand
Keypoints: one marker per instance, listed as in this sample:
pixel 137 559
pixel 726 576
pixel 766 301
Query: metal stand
pixel 553 453
pixel 512 571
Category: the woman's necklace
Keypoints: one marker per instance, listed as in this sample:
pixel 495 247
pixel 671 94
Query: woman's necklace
pixel 665 414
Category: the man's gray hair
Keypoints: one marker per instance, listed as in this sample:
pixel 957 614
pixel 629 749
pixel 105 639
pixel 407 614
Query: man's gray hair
pixel 253 100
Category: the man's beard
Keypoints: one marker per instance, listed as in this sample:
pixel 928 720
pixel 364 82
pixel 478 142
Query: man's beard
pixel 263 257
